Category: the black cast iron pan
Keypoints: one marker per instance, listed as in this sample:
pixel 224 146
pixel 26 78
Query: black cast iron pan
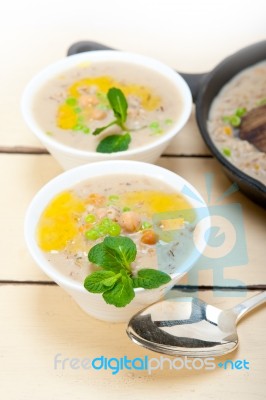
pixel 204 88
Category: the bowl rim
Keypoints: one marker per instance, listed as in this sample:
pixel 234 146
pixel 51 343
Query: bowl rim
pixel 67 63
pixel 74 176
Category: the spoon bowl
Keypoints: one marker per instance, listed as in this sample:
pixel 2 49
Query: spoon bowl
pixel 188 326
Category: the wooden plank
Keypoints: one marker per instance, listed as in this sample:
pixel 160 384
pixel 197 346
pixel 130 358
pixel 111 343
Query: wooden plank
pixel 22 176
pixel 25 174
pixel 188 141
pixel 23 150
pixel 41 322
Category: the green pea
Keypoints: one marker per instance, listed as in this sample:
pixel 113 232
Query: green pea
pixel 113 197
pixel 226 152
pixel 90 218
pixel 168 121
pixel 86 129
pixel 240 112
pixel 102 230
pixel 154 125
pixel 146 225
pixel 126 209
pixel 71 101
pixel 114 229
pixel 77 110
pixel 235 121
pixel 105 222
pixel 92 234
pixel 78 127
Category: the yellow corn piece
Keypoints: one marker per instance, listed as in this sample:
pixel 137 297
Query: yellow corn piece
pixel 228 130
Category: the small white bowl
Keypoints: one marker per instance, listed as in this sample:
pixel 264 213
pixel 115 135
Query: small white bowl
pixel 94 304
pixel 69 157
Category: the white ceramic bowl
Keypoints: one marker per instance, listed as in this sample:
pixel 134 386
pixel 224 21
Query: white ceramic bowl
pixel 94 304
pixel 69 157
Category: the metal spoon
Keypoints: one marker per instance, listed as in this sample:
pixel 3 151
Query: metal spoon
pixel 188 326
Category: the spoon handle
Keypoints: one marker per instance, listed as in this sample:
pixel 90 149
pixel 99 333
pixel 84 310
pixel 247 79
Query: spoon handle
pixel 243 308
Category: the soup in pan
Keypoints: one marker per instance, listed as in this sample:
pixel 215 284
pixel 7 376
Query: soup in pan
pixel 122 205
pixel 237 121
pixel 72 106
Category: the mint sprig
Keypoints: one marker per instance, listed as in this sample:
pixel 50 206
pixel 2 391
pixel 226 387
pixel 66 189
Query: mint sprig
pixel 116 281
pixel 119 105
pixel 115 143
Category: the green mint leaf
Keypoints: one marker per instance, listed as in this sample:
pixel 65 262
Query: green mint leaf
pixel 99 255
pixel 118 103
pixel 150 278
pixel 121 293
pixel 114 143
pixel 114 253
pixel 100 281
pixel 99 130
pixel 122 249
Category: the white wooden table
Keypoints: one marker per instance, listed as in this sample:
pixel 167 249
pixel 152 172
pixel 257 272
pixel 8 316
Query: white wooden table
pixel 38 319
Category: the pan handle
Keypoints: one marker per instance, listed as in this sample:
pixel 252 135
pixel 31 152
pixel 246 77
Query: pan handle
pixel 85 45
pixel 194 81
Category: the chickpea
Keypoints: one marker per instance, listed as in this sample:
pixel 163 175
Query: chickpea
pixel 98 114
pixel 109 212
pixel 149 237
pixel 86 100
pixel 130 221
